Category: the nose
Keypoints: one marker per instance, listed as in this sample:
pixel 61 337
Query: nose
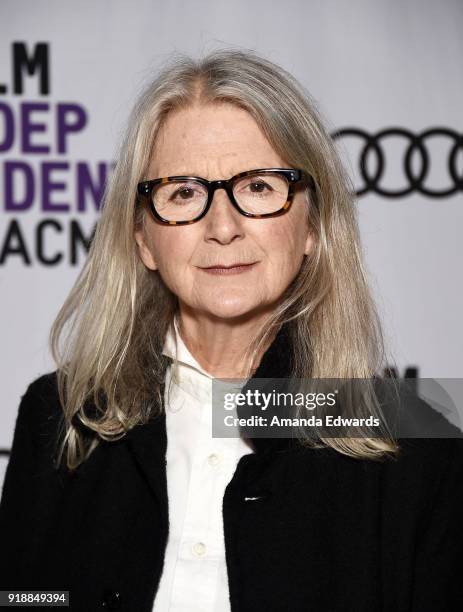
pixel 223 220
pixel 220 193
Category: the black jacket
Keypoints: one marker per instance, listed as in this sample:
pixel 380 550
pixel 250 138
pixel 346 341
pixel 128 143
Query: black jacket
pixel 326 532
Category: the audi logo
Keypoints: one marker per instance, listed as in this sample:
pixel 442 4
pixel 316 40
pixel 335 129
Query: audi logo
pixel 415 160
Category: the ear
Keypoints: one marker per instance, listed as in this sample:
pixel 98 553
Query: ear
pixel 308 243
pixel 143 250
pixel 310 239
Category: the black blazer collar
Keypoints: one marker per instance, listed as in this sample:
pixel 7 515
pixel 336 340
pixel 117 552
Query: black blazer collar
pixel 276 363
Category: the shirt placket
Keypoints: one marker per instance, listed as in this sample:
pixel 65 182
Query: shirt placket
pixel 202 549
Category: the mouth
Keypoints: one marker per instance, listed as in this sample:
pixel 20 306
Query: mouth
pixel 232 269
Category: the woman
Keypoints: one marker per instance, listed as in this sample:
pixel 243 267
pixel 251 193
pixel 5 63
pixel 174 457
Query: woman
pixel 203 268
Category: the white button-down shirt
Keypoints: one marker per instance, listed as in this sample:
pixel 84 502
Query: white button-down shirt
pixel 199 467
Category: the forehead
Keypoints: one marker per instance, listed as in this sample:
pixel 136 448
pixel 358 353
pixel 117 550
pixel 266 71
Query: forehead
pixel 213 141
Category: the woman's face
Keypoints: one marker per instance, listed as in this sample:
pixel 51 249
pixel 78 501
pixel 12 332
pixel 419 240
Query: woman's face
pixel 216 142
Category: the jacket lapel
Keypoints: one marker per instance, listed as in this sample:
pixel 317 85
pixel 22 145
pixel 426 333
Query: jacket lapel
pixel 276 363
pixel 148 445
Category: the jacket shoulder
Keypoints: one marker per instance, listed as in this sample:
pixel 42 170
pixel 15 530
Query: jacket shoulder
pixel 430 455
pixel 45 386
pixel 41 398
pixel 40 417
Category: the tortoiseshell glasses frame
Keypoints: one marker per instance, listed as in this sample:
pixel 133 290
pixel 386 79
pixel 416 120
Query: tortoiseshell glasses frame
pixel 292 175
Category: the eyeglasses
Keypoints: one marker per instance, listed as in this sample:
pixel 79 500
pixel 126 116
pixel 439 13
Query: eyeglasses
pixel 181 200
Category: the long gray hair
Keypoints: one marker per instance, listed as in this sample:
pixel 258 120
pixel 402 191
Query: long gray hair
pixel 107 338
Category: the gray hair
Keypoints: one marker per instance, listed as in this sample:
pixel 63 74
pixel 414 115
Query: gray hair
pixel 108 336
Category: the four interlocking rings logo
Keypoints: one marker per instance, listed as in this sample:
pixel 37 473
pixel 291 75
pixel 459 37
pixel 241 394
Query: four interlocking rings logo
pixel 416 161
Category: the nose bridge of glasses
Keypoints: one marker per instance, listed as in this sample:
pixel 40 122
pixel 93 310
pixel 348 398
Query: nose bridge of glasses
pixel 221 184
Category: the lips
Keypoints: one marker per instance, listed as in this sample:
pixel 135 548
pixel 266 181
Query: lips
pixel 236 265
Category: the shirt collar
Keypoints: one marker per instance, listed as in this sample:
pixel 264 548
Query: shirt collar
pixel 189 375
pixel 275 364
pixel 150 456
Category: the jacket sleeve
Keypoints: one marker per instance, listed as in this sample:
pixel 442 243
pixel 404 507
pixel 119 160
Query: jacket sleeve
pixel 438 584
pixel 26 481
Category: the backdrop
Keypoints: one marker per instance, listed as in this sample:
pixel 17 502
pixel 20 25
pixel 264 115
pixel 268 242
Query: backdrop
pixel 387 75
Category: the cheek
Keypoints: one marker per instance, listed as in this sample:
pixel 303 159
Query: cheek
pixel 160 238
pixel 172 250
pixel 286 241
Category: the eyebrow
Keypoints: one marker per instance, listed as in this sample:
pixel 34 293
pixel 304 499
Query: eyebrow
pixel 255 166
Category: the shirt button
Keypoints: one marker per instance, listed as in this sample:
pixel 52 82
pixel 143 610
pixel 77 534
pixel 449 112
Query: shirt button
pixel 199 549
pixel 213 459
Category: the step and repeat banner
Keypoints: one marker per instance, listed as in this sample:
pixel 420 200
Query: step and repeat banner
pixel 387 76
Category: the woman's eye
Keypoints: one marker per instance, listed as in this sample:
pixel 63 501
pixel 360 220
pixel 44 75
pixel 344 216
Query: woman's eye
pixel 184 193
pixel 258 187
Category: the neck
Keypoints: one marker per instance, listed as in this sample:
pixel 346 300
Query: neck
pixel 220 345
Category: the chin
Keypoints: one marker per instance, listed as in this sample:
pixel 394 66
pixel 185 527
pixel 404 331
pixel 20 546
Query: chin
pixel 230 308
